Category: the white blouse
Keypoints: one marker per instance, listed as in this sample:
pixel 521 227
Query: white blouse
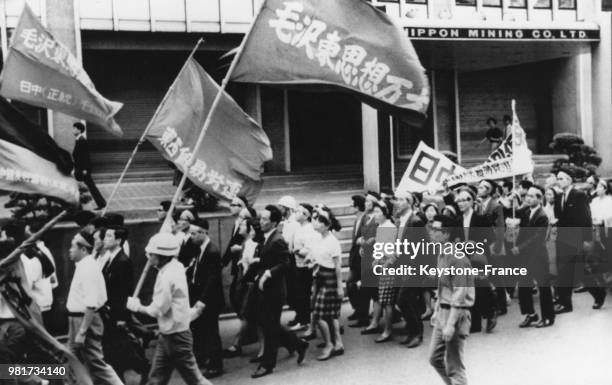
pixel 601 210
pixel 325 250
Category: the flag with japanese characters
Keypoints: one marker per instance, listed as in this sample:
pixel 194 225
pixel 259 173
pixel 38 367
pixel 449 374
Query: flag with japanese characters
pixel 41 71
pixel 342 45
pixel 230 160
pixel 427 170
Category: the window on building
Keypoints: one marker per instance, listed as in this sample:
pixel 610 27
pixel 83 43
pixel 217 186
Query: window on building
pixel 543 4
pixel 466 2
pixel 567 4
pixel 518 4
pixel 492 3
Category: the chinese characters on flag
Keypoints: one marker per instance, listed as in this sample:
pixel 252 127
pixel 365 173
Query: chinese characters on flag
pixel 41 71
pixel 340 43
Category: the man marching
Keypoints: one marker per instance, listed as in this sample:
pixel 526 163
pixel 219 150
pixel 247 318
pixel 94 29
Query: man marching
pixel 170 306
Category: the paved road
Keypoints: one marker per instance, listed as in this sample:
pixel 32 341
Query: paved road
pixel 575 351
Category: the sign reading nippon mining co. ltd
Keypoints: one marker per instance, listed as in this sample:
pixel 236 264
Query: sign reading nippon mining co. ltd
pixel 438 33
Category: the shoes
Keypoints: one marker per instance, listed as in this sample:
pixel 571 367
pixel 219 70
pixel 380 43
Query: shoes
pixel 255 360
pixel 529 319
pixel 260 372
pixel 301 351
pixel 298 327
pixel 367 331
pixel 231 353
pixel 560 309
pixel 212 373
pixel 597 305
pixel 309 337
pixel 413 342
pixel 326 356
pixel 321 345
pixel 545 322
pixel 382 339
pixel 580 289
pixel 491 323
pixel 338 352
pixel 359 324
pixel 293 322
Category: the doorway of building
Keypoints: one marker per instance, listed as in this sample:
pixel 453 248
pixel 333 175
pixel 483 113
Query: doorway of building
pixel 325 130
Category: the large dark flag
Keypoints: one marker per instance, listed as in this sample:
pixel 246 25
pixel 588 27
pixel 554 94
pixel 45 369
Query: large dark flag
pixel 41 71
pixel 30 160
pixel 230 160
pixel 340 43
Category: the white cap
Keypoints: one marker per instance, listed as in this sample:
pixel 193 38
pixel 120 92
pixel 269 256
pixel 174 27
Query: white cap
pixel 288 202
pixel 164 244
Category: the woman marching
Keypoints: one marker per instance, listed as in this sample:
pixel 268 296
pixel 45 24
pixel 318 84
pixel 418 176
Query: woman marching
pixel 327 286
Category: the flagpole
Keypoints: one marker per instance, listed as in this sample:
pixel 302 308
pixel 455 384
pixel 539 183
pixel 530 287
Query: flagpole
pixel 207 122
pixel 146 131
pixel 213 106
pixel 14 255
pixel 513 174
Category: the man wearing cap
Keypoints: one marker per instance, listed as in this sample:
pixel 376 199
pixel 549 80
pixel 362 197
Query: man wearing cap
pixel 451 317
pixel 86 296
pixel 170 306
pixel 274 260
pixel 574 229
pixel 206 298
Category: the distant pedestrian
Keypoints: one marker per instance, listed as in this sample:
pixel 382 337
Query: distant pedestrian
pixel 82 164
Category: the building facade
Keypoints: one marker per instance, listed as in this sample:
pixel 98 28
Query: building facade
pixel 553 56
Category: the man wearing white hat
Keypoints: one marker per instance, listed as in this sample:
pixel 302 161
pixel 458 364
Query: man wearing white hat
pixel 170 306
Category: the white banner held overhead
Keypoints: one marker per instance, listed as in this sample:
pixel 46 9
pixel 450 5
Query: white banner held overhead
pixel 427 170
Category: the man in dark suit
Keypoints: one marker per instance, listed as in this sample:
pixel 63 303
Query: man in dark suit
pixel 206 298
pixel 493 212
pixel 476 228
pixel 365 250
pixel 574 229
pixel 118 272
pixel 82 164
pixel 533 255
pixel 233 252
pixel 353 289
pixel 410 300
pixel 271 294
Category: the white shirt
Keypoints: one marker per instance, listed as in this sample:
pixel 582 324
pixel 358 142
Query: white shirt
pixel 467 218
pixel 87 289
pixel 41 289
pixel 532 211
pixel 5 311
pixel 290 226
pixel 170 303
pixel 304 238
pixel 326 250
pixel 248 254
pixel 601 210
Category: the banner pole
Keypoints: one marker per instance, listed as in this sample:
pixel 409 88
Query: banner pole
pixel 14 255
pixel 213 106
pixel 207 122
pixel 146 131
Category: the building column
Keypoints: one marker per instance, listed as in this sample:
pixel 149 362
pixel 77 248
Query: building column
pixel 602 93
pixel 273 108
pixel 61 18
pixel 376 149
pixel 572 94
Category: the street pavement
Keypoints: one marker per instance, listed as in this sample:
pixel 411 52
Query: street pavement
pixel 575 351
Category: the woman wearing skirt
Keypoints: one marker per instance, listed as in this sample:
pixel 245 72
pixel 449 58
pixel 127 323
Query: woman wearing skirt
pixel 327 290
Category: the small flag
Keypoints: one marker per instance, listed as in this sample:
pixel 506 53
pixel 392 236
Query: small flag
pixel 41 71
pixel 230 160
pixel 30 160
pixel 342 44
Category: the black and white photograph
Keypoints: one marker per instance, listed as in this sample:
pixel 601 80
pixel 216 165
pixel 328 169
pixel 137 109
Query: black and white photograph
pixel 305 192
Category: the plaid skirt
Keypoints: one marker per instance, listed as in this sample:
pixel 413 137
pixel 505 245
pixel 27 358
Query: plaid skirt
pixel 386 290
pixel 325 302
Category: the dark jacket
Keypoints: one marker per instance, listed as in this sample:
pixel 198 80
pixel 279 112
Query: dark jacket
pixel 480 230
pixel 233 257
pixel 206 285
pixel 274 256
pixel 494 214
pixel 574 222
pixel 531 243
pixel 80 155
pixel 414 231
pixel 354 257
pixel 119 279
